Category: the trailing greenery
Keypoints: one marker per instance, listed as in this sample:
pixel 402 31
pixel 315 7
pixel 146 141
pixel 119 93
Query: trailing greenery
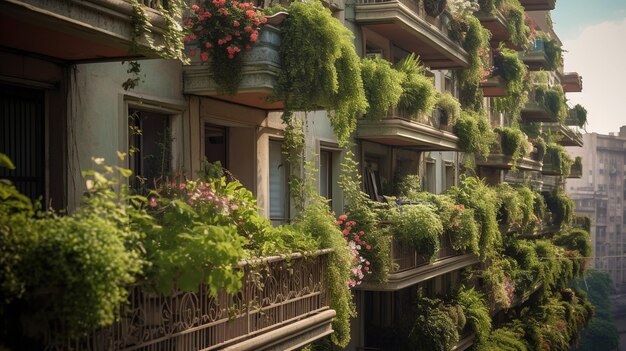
pixel 509 66
pixel 558 159
pixel 450 107
pixel 577 165
pixel 475 194
pixel 575 239
pixel 515 22
pixel 552 50
pixel 436 327
pixel 513 142
pixel 476 312
pixel 418 226
pixel 578 116
pixel 418 91
pixel 504 339
pixel 320 68
pixel 476 43
pixel 383 86
pixel 475 133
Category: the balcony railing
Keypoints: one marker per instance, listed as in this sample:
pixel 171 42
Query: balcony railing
pixel 569 136
pixel 277 292
pixel 426 132
pixel 535 57
pixel 405 257
pixel 408 26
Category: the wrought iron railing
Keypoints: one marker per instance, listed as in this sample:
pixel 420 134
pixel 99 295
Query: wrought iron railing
pixel 276 291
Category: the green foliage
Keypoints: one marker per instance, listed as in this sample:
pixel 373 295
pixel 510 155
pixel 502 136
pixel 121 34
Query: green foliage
pixel 418 226
pixel 465 232
pixel 434 328
pixel 578 115
pixel 558 158
pixel 383 86
pixel 512 142
pixel 504 339
pixel 510 67
pixel 475 133
pixel 434 8
pixel 554 100
pixel 418 92
pixel 475 194
pixel 317 221
pixel 73 270
pixel 476 43
pixel 515 22
pixel 575 239
pixel 553 52
pixel 450 106
pixel 476 312
pixel 320 68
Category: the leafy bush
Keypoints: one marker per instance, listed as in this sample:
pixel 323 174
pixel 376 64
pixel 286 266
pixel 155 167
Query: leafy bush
pixel 418 92
pixel 557 157
pixel 509 66
pixel 476 43
pixel 575 239
pixel 464 231
pixel 475 133
pixel 434 328
pixel 578 115
pixel 553 51
pixel 475 194
pixel 554 101
pixel 476 312
pixel 516 25
pixel 320 68
pixel 450 106
pixel 504 338
pixel 383 86
pixel 418 226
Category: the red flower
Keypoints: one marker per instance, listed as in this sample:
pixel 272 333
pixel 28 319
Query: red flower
pixel 153 202
pixel 207 14
pixel 369 247
pixel 235 24
pixel 343 217
pixel 195 7
pixel 208 45
pixel 204 56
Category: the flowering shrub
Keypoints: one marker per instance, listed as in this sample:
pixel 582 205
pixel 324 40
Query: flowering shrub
pixel 222 29
pixel 360 266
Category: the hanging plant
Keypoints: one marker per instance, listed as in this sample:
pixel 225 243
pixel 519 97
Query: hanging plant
pixel 383 86
pixel 418 92
pixel 475 133
pixel 509 66
pixel 476 43
pixel 578 116
pixel 420 227
pixel 516 23
pixel 223 29
pixel 434 8
pixel 320 68
pixel 552 50
pixel 450 108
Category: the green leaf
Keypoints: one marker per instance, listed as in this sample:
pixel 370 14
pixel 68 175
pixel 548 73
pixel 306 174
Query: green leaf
pixel 5 162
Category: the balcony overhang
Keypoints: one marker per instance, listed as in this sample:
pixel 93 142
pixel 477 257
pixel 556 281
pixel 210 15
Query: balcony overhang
pixel 404 279
pixel 494 87
pixel 75 31
pixel 500 161
pixel 538 5
pixel 260 70
pixel 536 60
pixel 402 132
pixel 412 33
pixel 533 112
pixel 496 24
pixel 569 137
pixel 575 174
pixel 572 82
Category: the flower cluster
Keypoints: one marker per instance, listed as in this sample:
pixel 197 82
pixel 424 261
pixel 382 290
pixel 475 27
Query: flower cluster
pixel 360 266
pixel 226 25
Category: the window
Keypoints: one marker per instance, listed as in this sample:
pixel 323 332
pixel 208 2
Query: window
pixel 326 174
pixel 278 186
pixel 450 175
pixel 430 177
pixel 22 139
pixel 215 144
pixel 150 147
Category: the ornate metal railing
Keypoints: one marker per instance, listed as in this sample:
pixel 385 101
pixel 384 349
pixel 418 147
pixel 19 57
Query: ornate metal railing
pixel 405 256
pixel 276 291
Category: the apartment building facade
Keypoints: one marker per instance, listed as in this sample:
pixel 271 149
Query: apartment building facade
pixel 599 194
pixel 78 108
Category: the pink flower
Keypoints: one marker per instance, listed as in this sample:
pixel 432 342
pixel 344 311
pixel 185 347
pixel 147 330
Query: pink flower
pixel 195 7
pixel 207 14
pixel 339 222
pixel 248 47
pixel 346 232
pixel 235 3
pixel 221 42
pixel 237 33
pixel 343 217
pixel 248 29
pixel 204 56
pixel 366 268
pixel 369 247
pixel 254 36
pixel 228 37
pixel 208 45
pixel 234 207
pixel 186 39
pixel 153 202
pixel 192 36
pixel 264 20
pixel 235 24
pixel 251 14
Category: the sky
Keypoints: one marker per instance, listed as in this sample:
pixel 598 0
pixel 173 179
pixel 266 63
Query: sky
pixel 593 33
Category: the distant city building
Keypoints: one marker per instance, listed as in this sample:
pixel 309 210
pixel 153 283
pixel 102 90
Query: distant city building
pixel 600 193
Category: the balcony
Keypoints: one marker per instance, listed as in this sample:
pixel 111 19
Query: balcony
pixel 283 305
pixel 538 5
pixel 260 70
pixel 406 24
pixel 397 129
pixel 496 23
pixel 569 136
pixel 535 57
pixel 572 82
pixel 500 161
pixel 536 109
pixel 77 30
pixel 494 87
pixel 412 268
